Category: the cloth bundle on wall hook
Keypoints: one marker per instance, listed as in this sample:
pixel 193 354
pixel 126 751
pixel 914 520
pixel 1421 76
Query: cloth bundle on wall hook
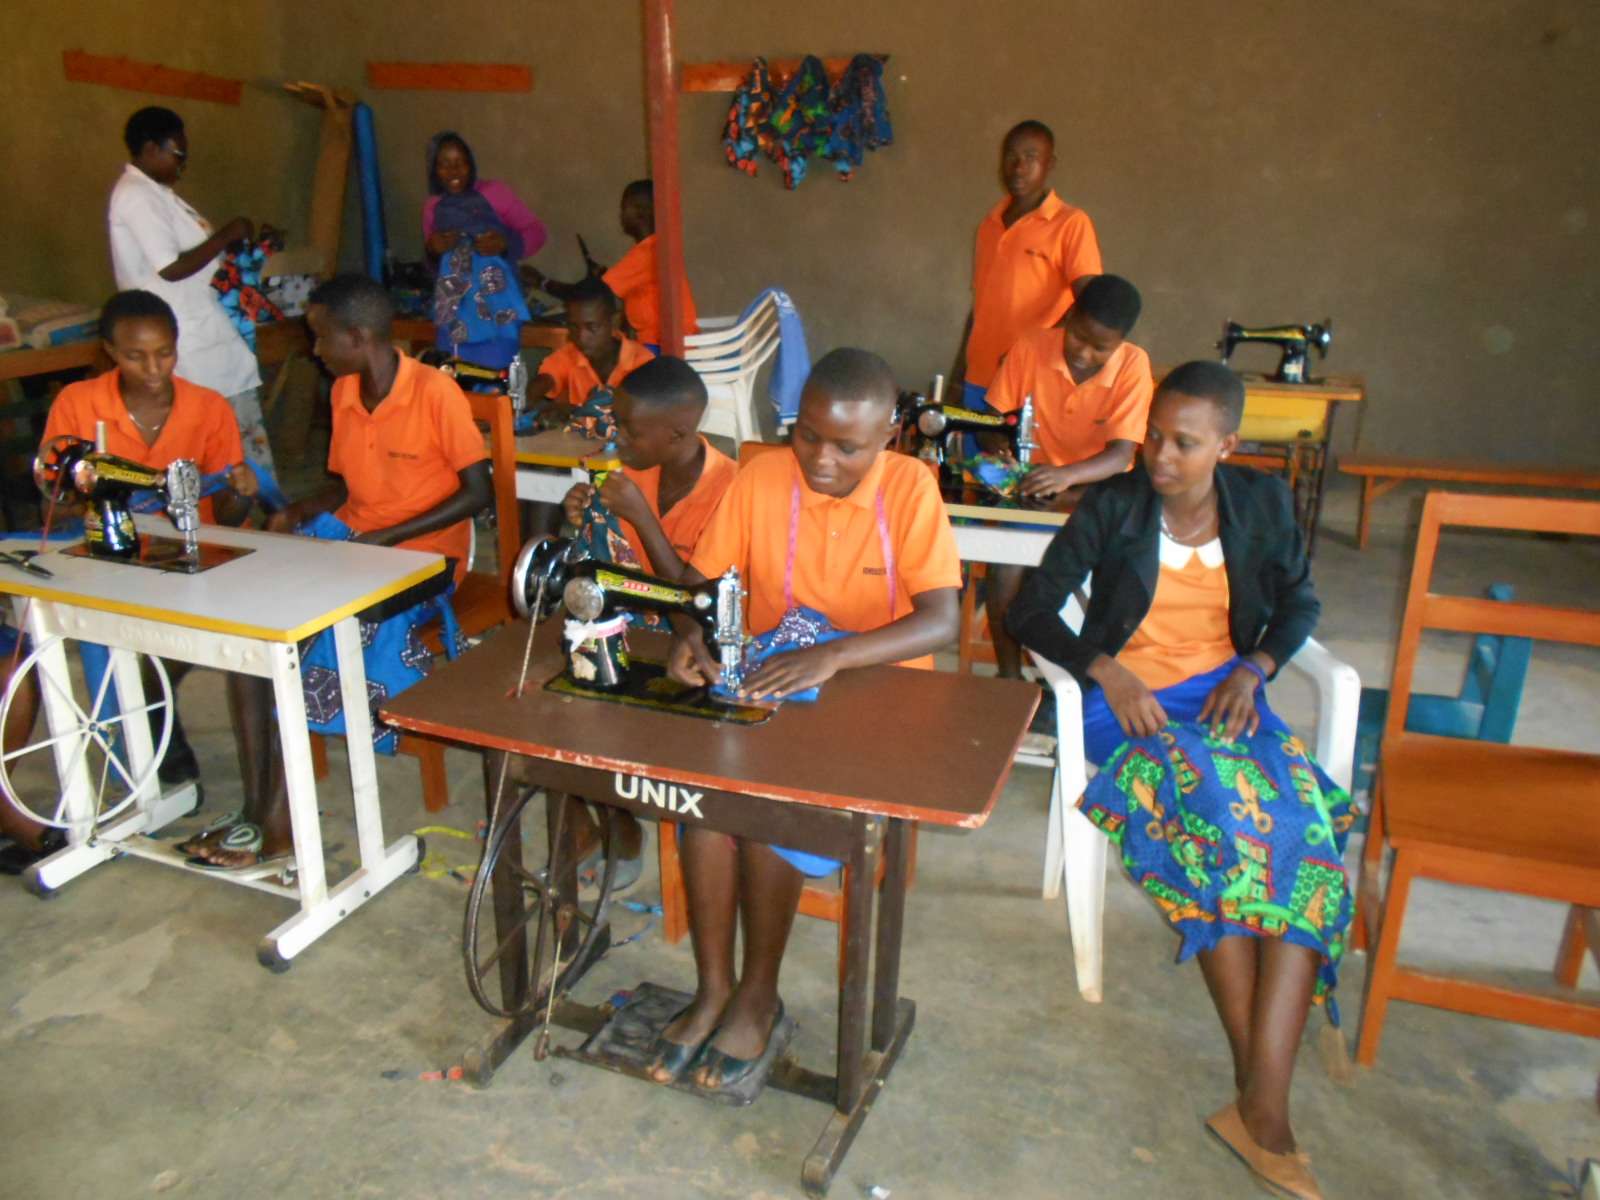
pixel 806 119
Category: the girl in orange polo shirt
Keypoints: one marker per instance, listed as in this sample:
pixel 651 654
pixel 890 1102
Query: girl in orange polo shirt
pixel 154 417
pixel 869 546
pixel 1201 593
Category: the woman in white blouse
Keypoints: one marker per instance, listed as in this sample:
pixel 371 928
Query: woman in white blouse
pixel 162 245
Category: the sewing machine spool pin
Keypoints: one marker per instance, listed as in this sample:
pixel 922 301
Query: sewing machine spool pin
pixel 1295 341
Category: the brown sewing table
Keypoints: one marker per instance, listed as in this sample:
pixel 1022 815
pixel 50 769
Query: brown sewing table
pixel 838 777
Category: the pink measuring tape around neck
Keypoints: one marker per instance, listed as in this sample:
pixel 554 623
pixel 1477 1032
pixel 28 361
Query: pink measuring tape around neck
pixel 794 538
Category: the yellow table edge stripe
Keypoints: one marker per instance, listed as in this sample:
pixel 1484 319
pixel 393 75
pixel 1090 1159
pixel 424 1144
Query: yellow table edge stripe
pixel 213 625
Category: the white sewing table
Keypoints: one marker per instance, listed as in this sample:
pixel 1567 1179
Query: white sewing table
pixel 988 534
pixel 246 615
pixel 549 463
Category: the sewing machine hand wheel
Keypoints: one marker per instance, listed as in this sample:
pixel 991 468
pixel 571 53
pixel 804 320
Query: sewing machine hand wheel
pixel 87 727
pixel 539 577
pixel 535 902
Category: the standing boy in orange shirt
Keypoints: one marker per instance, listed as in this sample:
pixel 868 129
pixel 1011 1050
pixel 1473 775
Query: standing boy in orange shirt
pixel 1091 393
pixel 634 278
pixel 859 534
pixel 1030 248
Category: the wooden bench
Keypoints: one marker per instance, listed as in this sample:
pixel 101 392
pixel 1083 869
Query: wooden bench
pixel 1379 476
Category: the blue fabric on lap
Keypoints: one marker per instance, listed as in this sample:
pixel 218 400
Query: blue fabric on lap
pixel 1102 736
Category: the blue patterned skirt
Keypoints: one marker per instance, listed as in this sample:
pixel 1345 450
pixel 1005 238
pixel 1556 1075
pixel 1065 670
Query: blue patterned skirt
pixel 1229 838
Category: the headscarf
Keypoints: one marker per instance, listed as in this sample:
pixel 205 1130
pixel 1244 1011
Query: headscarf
pixel 437 143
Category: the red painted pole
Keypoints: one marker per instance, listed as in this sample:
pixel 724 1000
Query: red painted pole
pixel 661 93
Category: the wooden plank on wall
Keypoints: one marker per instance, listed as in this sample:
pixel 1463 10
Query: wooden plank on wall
pixel 727 75
pixel 450 77
pixel 83 67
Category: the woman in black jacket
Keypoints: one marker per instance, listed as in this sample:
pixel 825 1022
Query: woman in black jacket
pixel 1200 593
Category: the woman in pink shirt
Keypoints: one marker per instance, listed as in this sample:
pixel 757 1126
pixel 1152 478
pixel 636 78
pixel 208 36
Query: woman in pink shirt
pixel 475 232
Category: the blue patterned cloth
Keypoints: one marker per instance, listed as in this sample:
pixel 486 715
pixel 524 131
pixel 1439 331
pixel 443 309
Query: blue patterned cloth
pixel 478 308
pixel 392 650
pixel 1229 838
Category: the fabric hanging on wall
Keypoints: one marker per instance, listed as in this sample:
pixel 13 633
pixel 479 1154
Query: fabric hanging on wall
pixel 802 119
pixel 860 119
pixel 807 119
pixel 748 132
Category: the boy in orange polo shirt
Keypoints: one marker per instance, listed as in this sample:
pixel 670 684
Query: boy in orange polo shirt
pixel 670 484
pixel 842 526
pixel 595 351
pixel 634 278
pixel 672 479
pixel 1030 248
pixel 1091 393
pixel 411 470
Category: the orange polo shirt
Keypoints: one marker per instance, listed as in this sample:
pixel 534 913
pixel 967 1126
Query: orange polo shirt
pixel 1021 277
pixel 1074 421
pixel 633 279
pixel 575 377
pixel 1185 633
pixel 402 458
pixel 686 520
pixel 201 427
pixel 839 567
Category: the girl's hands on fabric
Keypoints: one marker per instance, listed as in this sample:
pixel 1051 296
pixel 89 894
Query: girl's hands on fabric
pixel 240 229
pixel 1046 481
pixel 284 520
pixel 1133 704
pixel 1232 704
pixel 243 480
pixel 784 674
pixel 575 501
pixel 689 662
pixel 490 242
pixel 623 497
pixel 441 241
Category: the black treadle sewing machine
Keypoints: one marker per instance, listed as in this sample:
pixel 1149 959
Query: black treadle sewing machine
pixel 511 380
pixel 552 573
pixel 1296 342
pixel 927 425
pixel 112 486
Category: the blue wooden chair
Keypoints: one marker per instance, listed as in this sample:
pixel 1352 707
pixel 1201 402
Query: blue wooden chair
pixel 1485 711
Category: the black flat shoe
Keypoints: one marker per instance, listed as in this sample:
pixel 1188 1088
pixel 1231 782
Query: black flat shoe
pixel 726 1071
pixel 675 1057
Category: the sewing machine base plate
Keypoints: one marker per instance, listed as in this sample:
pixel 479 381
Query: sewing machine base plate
pixel 646 685
pixel 166 554
pixel 626 1044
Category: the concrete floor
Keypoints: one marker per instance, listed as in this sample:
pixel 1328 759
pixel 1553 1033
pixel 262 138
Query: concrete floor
pixel 144 1051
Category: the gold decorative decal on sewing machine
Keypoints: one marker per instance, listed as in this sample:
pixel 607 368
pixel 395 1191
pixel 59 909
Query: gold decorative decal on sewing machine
pixel 612 581
pixel 669 796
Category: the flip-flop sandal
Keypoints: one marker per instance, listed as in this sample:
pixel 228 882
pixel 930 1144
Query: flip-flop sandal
pixel 191 843
pixel 244 838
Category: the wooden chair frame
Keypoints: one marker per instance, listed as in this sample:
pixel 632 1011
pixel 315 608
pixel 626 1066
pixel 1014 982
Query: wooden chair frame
pixel 1436 800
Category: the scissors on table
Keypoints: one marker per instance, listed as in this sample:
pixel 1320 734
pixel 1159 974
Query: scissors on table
pixel 23 561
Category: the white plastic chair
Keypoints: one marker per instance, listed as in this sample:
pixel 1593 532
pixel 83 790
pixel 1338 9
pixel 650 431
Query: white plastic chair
pixel 1075 851
pixel 727 356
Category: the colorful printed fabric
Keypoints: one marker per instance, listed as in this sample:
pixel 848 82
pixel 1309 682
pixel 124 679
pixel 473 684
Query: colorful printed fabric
pixel 1241 837
pixel 995 473
pixel 601 534
pixel 593 419
pixel 391 650
pixel 802 119
pixel 238 285
pixel 798 629
pixel 748 131
pixel 860 120
pixel 478 307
